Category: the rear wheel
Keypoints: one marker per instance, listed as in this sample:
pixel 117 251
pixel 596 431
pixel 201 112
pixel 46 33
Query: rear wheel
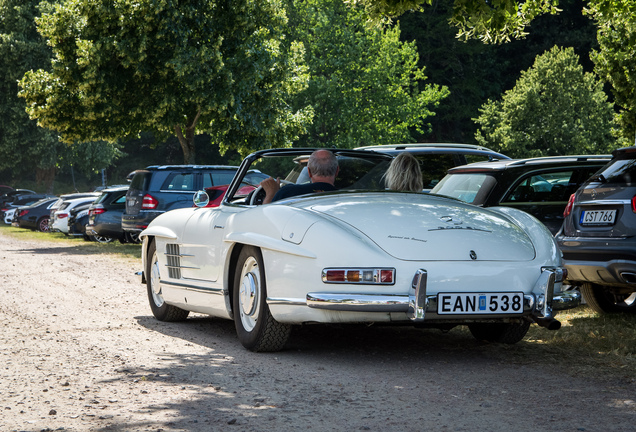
pixel 103 239
pixel 160 309
pixel 600 299
pixel 43 224
pixel 257 330
pixel 508 333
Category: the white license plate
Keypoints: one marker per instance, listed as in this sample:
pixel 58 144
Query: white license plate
pixel 479 303
pixel 598 217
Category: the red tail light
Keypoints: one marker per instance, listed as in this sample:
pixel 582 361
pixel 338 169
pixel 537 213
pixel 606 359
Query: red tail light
pixel 23 213
pixel 382 276
pixel 568 208
pixel 634 204
pixel 96 211
pixel 149 203
pixel 62 215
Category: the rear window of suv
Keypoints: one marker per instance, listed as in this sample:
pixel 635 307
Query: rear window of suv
pixel 621 171
pixel 217 178
pixel 141 180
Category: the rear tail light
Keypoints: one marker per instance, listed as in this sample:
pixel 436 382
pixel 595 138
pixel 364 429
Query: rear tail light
pixel 23 213
pixel 381 276
pixel 149 202
pixel 62 215
pixel 568 208
pixel 96 211
pixel 634 204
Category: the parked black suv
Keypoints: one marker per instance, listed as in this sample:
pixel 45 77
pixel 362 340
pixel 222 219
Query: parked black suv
pixel 598 239
pixel 158 189
pixel 539 186
pixel 437 158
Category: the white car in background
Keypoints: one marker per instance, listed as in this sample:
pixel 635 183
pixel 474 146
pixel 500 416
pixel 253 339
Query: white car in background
pixel 59 217
pixel 8 215
pixel 360 254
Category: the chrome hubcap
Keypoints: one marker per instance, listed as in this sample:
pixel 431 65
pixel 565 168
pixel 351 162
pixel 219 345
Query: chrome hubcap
pixel 249 294
pixel 155 282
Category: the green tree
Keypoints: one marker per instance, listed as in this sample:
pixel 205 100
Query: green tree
pixel 364 83
pixel 179 67
pixel 491 21
pixel 615 60
pixel 475 72
pixel 554 109
pixel 24 147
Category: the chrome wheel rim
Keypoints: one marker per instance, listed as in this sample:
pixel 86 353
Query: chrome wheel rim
pixel 155 282
pixel 249 294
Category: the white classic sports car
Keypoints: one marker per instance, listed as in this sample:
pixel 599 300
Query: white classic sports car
pixel 360 254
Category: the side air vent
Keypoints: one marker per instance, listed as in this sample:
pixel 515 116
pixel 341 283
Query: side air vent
pixel 174 261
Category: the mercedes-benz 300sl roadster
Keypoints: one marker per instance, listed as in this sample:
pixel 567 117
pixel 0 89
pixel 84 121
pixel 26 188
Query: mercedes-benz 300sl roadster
pixel 359 254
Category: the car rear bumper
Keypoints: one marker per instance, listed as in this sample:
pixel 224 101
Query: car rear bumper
pixel 601 261
pixel 139 222
pixel 420 306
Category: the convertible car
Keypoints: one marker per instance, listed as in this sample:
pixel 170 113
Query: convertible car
pixel 360 254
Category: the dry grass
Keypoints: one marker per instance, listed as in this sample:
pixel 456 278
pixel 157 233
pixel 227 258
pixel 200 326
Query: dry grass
pixel 77 244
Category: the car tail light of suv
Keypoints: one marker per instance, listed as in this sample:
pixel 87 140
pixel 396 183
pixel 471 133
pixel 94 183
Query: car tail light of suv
pixel 634 203
pixel 568 207
pixel 23 213
pixel 96 211
pixel 61 215
pixel 149 202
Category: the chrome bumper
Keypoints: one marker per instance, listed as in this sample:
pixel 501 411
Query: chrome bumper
pixel 540 304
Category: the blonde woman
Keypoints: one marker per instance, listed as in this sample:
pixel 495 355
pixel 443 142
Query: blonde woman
pixel 404 174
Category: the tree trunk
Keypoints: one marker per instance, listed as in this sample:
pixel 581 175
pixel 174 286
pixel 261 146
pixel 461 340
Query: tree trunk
pixel 46 177
pixel 187 139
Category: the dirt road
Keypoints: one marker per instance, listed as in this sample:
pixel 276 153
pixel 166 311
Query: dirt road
pixel 80 351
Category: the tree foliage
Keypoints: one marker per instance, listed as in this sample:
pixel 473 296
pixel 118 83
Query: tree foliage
pixel 491 21
pixel 24 147
pixel 554 109
pixel 615 60
pixel 169 66
pixel 365 86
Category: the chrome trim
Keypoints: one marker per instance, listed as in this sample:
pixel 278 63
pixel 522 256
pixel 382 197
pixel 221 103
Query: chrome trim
pixel 358 302
pixel 566 300
pixel 193 287
pixel 286 301
pixel 544 290
pixel 397 303
pixel 601 202
pixel 182 267
pixel 418 301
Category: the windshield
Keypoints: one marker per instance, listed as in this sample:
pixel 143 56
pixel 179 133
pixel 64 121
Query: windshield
pixel 465 187
pixel 357 170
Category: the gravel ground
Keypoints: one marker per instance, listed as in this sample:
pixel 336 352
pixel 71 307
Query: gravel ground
pixel 80 351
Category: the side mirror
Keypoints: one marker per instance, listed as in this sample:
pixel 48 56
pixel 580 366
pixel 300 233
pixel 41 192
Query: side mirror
pixel 201 198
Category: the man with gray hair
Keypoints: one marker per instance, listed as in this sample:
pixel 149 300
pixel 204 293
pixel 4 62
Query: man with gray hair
pixel 322 168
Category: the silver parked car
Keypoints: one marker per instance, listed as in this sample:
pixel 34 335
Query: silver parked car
pixel 598 237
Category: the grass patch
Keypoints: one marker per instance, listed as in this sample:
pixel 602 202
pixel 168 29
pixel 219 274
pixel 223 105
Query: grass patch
pixel 591 342
pixel 127 250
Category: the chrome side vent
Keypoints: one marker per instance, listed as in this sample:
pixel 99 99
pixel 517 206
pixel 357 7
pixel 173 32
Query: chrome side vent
pixel 174 261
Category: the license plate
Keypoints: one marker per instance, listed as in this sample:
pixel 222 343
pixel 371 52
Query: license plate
pixel 598 217
pixel 479 303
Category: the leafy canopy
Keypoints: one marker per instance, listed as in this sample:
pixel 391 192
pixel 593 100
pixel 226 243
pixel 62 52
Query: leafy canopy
pixel 554 109
pixel 615 61
pixel 492 21
pixel 366 87
pixel 169 66
pixel 25 147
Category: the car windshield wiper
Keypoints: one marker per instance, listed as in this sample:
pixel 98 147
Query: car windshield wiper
pixel 599 177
